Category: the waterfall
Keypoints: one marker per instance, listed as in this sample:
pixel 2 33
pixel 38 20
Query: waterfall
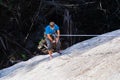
pixel 67 23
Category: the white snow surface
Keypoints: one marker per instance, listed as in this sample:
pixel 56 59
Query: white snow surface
pixel 94 59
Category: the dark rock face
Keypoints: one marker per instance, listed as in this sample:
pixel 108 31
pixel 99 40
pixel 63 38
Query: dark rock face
pixel 22 23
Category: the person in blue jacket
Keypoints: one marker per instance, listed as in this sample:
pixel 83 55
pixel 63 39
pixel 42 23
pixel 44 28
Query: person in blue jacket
pixel 52 33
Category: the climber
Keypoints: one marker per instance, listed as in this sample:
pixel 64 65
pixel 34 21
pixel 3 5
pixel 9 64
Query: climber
pixel 52 33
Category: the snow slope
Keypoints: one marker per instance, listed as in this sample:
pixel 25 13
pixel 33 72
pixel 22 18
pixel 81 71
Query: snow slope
pixel 94 59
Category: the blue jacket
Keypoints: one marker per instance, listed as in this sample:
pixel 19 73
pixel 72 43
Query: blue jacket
pixel 48 29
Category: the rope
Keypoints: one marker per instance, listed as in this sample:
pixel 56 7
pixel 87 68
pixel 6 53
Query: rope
pixel 89 35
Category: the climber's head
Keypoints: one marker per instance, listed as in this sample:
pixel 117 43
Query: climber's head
pixel 52 24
